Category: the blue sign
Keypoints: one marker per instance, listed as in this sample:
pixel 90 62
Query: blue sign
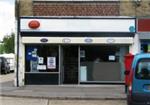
pixel 31 54
pixel 44 40
pixel 88 40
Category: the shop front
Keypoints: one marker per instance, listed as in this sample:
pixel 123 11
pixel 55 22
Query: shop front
pixel 75 50
pixel 144 34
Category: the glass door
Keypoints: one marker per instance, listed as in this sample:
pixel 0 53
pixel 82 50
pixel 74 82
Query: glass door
pixel 69 68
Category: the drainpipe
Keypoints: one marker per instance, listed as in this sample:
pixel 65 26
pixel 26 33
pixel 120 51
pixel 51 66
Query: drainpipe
pixel 18 32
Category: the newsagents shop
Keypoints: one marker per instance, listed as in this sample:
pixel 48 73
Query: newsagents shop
pixel 75 50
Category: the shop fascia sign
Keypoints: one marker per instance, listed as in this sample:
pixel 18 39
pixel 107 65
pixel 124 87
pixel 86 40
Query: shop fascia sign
pixel 78 25
pixel 144 25
pixel 31 53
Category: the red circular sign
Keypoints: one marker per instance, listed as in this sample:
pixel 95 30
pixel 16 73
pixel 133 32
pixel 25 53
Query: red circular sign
pixel 34 24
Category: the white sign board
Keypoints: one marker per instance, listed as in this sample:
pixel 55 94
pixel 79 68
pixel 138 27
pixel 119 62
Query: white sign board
pixel 111 58
pixel 40 60
pixel 41 67
pixel 51 62
pixel 81 25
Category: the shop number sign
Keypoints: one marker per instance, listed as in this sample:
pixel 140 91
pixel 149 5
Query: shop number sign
pixel 51 62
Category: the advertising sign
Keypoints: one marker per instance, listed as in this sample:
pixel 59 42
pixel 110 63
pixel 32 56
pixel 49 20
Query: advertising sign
pixel 88 40
pixel 82 25
pixel 33 66
pixel 111 58
pixel 41 60
pixel 31 54
pixel 51 62
pixel 82 54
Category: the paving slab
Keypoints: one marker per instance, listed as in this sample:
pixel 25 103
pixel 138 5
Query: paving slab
pixel 87 102
pixel 34 101
pixel 22 101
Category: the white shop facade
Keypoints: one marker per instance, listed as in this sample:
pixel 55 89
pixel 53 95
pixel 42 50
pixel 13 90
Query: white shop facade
pixel 74 50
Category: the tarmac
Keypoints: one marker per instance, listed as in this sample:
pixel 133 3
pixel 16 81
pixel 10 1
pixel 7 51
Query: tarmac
pixel 63 92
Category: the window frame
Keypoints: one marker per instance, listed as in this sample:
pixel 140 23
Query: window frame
pixel 137 66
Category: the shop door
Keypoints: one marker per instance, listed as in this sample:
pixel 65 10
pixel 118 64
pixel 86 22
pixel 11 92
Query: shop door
pixel 69 67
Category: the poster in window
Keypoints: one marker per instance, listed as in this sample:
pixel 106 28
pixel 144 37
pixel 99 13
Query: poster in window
pixel 111 58
pixel 40 60
pixel 82 54
pixel 51 62
pixel 41 67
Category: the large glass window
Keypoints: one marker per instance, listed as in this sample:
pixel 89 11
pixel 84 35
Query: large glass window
pixel 143 69
pixel 41 58
pixel 102 63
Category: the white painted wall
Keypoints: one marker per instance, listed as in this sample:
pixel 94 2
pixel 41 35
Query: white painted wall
pixel 21 62
pixel 15 63
pixel 136 46
pixel 21 65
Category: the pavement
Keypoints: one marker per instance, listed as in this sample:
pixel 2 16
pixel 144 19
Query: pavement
pixel 73 92
pixel 34 101
pixel 66 92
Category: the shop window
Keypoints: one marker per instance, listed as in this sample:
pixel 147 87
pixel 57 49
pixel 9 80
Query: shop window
pixel 41 58
pixel 102 63
pixel 145 46
pixel 99 54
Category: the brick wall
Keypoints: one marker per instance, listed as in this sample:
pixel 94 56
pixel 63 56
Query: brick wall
pixel 121 8
pixel 76 9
